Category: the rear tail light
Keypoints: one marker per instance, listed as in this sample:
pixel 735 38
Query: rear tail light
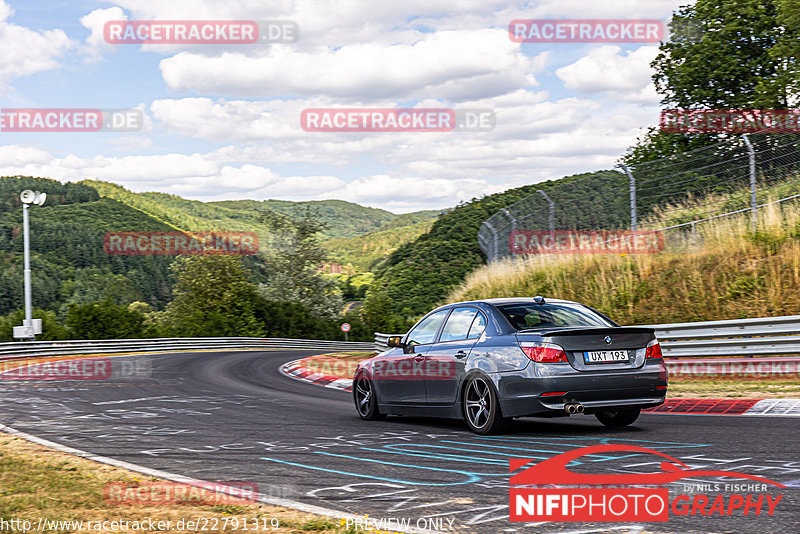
pixel 653 351
pixel 544 353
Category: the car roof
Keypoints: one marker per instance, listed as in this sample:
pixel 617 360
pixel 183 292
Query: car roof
pixel 513 300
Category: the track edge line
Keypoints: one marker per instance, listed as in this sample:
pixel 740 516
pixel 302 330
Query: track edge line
pixel 173 477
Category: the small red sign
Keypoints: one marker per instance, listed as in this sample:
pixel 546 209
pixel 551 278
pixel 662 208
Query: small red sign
pixel 345 327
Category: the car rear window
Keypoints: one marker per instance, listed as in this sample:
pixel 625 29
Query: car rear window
pixel 531 315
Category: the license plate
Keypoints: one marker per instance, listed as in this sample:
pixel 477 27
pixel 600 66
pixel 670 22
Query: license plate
pixel 606 356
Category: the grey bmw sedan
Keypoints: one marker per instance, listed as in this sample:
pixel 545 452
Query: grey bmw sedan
pixel 489 361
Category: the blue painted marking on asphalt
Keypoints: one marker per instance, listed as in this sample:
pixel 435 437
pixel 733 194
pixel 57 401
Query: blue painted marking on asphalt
pixel 599 457
pixel 482 458
pixel 600 441
pixel 493 446
pixel 441 456
pixel 515 448
pixel 474 477
pixel 373 477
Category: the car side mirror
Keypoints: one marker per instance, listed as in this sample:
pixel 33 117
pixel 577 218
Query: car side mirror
pixel 395 341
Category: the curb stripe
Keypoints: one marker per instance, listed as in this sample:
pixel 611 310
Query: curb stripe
pixel 705 406
pixel 780 407
pixel 297 371
pixel 769 407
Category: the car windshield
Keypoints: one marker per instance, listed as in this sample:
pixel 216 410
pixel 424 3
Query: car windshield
pixel 529 315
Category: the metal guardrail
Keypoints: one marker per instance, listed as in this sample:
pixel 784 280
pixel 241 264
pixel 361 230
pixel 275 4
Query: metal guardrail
pixel 14 350
pixel 764 336
pixel 381 341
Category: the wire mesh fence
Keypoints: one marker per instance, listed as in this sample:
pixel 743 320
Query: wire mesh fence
pixel 645 207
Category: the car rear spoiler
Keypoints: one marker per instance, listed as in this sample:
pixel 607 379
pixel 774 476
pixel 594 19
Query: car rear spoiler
pixel 575 331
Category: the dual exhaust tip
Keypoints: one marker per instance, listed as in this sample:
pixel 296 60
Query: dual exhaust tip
pixel 573 408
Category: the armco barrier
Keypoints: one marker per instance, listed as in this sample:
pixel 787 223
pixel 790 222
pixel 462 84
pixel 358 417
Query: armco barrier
pixel 764 336
pixel 382 339
pixel 742 339
pixel 10 351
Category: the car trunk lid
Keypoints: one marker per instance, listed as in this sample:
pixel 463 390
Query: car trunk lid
pixel 587 348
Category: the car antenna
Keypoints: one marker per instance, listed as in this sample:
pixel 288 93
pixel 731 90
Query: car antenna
pixel 538 299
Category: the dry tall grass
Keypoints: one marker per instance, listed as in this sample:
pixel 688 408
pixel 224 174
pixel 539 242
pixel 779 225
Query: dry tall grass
pixel 721 271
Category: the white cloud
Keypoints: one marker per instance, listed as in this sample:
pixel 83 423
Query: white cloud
pixel 354 21
pixel 450 64
pixel 409 193
pixel 359 53
pixel 96 44
pixel 607 9
pixel 25 51
pixel 605 69
pixel 5 11
pixel 131 143
pixel 206 177
pixel 16 156
pixel 229 120
pixel 329 24
pixel 535 138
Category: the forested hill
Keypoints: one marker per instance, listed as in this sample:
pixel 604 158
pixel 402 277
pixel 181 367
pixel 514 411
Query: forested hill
pixel 68 263
pixel 419 274
pixel 343 219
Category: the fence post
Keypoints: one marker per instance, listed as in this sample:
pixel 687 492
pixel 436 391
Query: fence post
pixel 634 216
pixel 552 210
pixel 753 202
pixel 513 220
pixel 494 245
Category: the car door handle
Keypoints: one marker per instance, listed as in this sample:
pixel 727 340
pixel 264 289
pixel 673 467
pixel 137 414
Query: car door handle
pixel 461 354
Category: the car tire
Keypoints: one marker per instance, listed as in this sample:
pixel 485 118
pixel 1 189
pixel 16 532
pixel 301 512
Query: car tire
pixel 365 399
pixel 481 407
pixel 618 418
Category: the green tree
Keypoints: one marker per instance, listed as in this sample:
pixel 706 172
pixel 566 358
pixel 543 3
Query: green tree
pixel 378 316
pixel 718 53
pixel 784 86
pixel 104 320
pixel 95 284
pixel 723 54
pixel 293 257
pixel 212 297
pixel 51 328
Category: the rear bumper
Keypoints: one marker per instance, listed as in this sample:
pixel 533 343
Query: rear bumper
pixel 521 392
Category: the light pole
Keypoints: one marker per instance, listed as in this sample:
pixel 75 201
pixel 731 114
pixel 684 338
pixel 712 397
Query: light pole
pixel 29 328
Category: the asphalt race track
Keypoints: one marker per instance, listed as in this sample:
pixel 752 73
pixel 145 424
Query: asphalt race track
pixel 233 416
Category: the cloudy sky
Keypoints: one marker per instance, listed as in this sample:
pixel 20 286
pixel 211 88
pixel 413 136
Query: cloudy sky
pixel 223 121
